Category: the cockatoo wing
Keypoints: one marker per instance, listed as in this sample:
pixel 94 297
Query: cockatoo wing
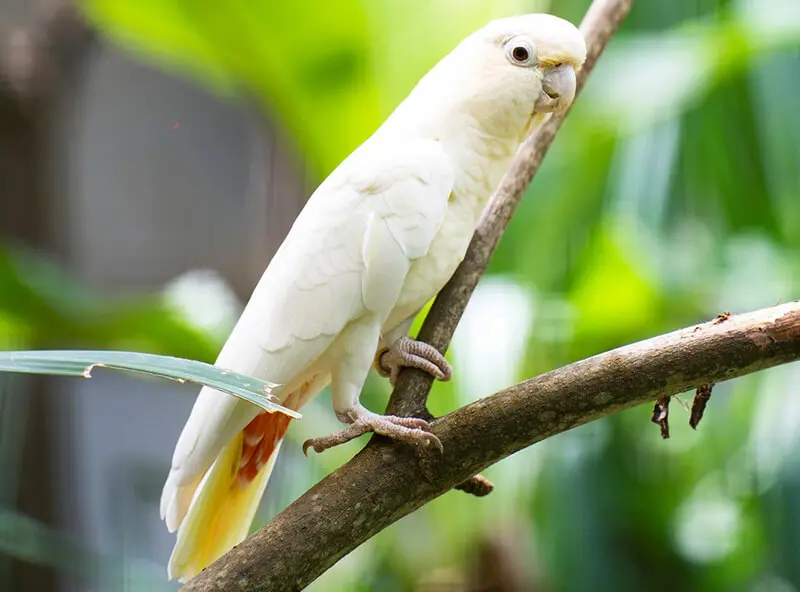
pixel 347 255
pixel 349 250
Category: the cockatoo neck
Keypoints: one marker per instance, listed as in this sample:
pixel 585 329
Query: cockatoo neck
pixel 479 131
pixel 451 101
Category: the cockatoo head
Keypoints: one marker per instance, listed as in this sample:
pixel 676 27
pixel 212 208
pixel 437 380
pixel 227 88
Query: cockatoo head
pixel 510 71
pixel 531 59
pixel 535 55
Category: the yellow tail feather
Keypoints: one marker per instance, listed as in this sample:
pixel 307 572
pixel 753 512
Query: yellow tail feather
pixel 220 514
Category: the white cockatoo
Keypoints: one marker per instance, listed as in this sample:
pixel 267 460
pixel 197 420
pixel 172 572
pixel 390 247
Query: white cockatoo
pixel 374 243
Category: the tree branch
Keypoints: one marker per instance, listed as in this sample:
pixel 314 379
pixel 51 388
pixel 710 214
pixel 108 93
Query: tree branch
pixel 383 482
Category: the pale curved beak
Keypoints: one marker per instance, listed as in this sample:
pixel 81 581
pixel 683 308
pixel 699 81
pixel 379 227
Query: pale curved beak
pixel 558 89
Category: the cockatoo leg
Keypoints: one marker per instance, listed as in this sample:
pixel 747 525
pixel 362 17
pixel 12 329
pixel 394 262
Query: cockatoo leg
pixel 354 351
pixel 407 352
pixel 362 421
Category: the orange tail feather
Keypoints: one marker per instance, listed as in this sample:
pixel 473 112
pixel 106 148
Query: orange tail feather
pixel 228 496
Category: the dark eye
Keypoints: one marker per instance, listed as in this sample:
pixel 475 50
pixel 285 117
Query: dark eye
pixel 520 52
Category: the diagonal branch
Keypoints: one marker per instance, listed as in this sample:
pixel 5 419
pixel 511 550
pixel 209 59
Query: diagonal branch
pixel 411 393
pixel 383 482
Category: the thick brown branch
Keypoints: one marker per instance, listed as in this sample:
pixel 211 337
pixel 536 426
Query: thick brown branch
pixel 383 483
pixel 411 393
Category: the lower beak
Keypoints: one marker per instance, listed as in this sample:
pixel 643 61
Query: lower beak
pixel 558 90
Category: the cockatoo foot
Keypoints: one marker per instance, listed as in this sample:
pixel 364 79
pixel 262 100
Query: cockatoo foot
pixel 407 352
pixel 362 421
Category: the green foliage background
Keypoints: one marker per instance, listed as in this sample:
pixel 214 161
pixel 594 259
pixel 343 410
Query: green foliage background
pixel 671 194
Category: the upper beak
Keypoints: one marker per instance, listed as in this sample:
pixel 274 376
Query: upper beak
pixel 558 89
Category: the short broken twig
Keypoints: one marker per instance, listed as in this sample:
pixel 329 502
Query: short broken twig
pixel 701 397
pixel 478 485
pixel 721 318
pixel 661 415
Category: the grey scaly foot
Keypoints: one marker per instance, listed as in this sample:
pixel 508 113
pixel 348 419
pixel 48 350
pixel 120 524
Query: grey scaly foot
pixel 407 352
pixel 362 421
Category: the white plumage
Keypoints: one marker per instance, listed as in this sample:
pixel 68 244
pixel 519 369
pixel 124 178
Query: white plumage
pixel 375 242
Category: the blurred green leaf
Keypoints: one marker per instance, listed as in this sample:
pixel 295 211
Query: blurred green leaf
pixel 332 71
pixel 43 304
pixel 661 74
pixel 614 264
pixel 81 364
pixel 308 61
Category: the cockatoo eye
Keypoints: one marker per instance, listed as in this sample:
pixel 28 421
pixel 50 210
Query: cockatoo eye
pixel 520 52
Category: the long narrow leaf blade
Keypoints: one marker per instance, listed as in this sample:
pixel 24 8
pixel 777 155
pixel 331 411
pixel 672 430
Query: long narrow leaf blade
pixel 81 363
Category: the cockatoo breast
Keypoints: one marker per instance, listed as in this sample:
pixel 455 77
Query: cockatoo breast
pixel 480 160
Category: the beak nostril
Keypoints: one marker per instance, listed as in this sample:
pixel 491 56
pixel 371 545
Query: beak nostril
pixel 551 90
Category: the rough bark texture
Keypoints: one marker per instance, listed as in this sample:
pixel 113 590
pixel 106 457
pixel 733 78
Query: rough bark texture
pixel 384 482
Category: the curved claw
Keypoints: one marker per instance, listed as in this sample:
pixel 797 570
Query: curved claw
pixel 310 443
pixel 354 430
pixel 430 439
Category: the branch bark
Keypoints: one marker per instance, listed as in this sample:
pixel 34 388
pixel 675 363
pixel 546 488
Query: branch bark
pixel 383 482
